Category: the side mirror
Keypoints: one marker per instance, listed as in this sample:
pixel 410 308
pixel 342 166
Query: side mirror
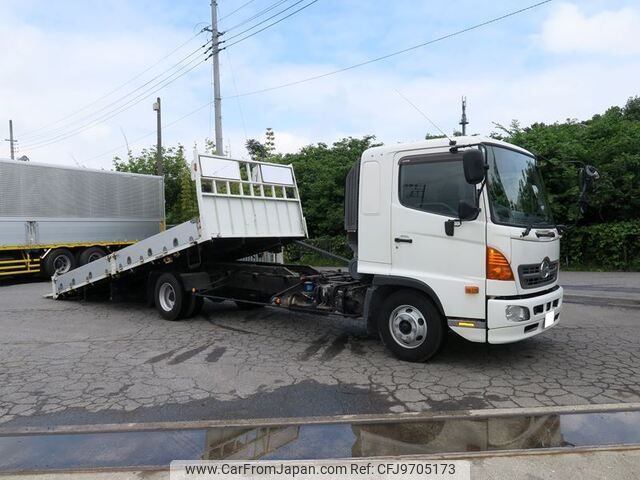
pixel 466 211
pixel 474 166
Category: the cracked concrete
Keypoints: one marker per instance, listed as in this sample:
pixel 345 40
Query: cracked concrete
pixel 66 362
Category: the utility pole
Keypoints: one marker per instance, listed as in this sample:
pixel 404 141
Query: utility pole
pixel 217 99
pixel 11 141
pixel 463 120
pixel 158 109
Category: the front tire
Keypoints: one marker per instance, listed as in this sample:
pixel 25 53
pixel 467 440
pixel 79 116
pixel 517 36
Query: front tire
pixel 410 326
pixel 169 296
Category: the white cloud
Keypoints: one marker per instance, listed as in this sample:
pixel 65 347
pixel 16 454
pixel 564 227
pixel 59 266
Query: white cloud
pixel 613 32
pixel 48 73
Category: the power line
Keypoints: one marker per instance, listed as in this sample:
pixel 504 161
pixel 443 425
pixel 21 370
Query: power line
pixel 268 26
pixel 114 113
pixel 236 10
pixel 116 89
pixel 266 20
pixel 60 130
pixel 257 15
pixel 422 113
pixel 121 109
pixel 393 54
pixel 165 126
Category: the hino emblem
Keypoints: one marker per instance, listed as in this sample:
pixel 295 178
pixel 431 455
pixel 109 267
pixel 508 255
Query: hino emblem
pixel 545 268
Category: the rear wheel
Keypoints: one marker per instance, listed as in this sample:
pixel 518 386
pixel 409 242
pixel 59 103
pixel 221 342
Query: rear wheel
pixel 411 326
pixel 90 254
pixel 169 296
pixel 59 260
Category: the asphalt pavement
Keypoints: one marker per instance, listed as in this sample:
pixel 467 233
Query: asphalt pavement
pixel 96 362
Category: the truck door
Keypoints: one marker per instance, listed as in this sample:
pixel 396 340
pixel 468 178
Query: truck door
pixel 428 189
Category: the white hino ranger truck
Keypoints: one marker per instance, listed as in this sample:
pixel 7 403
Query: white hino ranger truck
pixel 447 235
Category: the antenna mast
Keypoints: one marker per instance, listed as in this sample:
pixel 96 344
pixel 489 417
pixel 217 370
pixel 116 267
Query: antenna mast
pixel 463 121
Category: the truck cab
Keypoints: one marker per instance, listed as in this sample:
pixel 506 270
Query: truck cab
pixel 482 254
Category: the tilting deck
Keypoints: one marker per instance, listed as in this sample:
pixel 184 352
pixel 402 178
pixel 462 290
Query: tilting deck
pixel 237 199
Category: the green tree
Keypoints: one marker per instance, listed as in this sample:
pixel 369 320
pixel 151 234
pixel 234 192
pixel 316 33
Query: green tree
pixel 609 141
pixel 187 199
pixel 321 171
pixel 209 146
pixel 173 165
pixel 257 150
pixel 270 142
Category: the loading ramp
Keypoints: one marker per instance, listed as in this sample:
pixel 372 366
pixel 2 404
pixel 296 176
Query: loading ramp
pixel 244 208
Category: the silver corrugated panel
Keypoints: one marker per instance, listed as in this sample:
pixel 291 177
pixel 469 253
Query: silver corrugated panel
pixel 29 190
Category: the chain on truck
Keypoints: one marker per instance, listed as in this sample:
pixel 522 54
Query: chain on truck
pixel 447 235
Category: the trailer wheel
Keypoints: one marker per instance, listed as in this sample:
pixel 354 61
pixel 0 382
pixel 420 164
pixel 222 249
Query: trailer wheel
pixel 169 296
pixel 59 261
pixel 411 326
pixel 90 254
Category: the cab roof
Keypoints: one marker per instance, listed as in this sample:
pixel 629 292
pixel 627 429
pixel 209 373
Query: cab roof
pixel 441 143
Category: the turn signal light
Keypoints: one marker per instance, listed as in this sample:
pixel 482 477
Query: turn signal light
pixel 498 267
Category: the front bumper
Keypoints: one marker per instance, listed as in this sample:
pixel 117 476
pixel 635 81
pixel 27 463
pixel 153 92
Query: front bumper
pixel 501 330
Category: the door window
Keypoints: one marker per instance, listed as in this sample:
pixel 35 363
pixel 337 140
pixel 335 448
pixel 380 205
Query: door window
pixel 435 185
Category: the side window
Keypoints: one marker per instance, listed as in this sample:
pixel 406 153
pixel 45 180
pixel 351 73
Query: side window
pixel 433 184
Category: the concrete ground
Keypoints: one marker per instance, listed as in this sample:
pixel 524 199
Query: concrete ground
pixel 73 362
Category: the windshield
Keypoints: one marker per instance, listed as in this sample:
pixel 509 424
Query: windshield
pixel 516 191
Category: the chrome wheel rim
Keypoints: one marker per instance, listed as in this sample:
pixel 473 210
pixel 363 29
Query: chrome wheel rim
pixel 61 264
pixel 167 297
pixel 408 326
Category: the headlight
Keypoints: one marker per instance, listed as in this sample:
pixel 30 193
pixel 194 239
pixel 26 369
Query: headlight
pixel 516 313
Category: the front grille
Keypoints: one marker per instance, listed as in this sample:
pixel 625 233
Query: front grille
pixel 531 276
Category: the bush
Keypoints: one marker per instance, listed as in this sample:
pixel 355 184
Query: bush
pixel 337 245
pixel 605 246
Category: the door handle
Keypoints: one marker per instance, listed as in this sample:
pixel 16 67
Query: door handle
pixel 403 240
pixel 546 234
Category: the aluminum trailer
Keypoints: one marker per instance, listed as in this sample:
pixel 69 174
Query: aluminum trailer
pixel 56 217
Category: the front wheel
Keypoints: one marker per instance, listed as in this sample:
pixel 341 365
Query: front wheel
pixel 411 326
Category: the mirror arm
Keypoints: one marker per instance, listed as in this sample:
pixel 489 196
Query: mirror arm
pixel 479 191
pixel 449 226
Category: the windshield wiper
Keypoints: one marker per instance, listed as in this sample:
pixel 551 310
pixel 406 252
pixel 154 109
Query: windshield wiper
pixel 530 226
pixel 527 230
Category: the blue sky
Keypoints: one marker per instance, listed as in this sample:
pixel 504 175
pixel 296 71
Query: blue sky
pixel 561 60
